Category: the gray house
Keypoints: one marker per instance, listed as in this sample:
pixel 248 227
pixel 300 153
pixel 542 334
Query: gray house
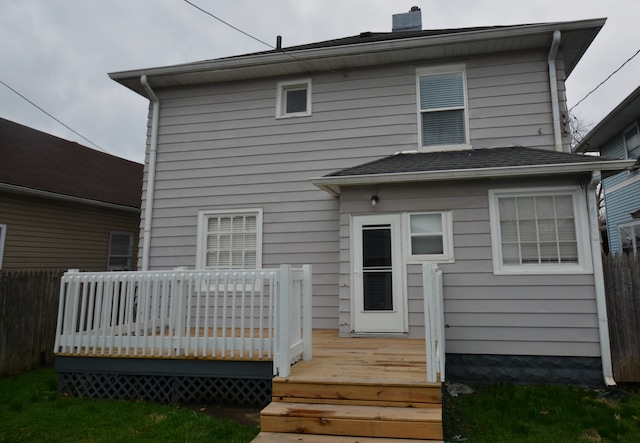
pixel 371 155
pixel 617 136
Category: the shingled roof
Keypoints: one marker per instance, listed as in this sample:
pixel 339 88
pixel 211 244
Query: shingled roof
pixel 465 159
pixel 34 160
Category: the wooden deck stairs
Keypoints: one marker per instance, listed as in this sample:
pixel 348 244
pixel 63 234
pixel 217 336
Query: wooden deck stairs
pixel 355 390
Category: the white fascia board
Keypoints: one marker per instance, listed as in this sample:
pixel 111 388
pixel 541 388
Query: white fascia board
pixel 62 197
pixel 332 184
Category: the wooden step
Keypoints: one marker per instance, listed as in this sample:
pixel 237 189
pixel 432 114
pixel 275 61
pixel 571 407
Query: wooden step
pixel 380 394
pixel 279 437
pixel 352 420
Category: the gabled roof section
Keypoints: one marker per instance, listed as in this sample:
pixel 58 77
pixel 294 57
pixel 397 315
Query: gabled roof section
pixel 33 161
pixel 614 123
pixel 372 49
pixel 466 164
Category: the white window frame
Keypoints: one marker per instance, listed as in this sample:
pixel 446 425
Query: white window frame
pixel 131 236
pixel 203 217
pixel 584 265
pixel 624 140
pixel 447 239
pixel 3 236
pixel 281 97
pixel 636 225
pixel 448 69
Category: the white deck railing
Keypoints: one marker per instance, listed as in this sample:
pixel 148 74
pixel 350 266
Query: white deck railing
pixel 244 314
pixel 434 319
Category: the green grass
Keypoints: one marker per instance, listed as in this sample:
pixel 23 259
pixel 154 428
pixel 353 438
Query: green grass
pixel 540 414
pixel 32 411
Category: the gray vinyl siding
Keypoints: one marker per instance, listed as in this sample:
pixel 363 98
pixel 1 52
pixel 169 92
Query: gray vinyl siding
pixel 48 234
pixel 484 313
pixel 221 147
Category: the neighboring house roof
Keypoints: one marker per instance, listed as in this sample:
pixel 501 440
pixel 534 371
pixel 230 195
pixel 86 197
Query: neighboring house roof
pixel 613 124
pixel 371 49
pixel 466 164
pixel 36 162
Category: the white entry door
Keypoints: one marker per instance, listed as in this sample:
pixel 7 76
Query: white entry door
pixel 378 295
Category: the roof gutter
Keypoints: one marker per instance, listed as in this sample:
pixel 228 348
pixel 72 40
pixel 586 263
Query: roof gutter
pixel 151 176
pixel 332 184
pixel 553 83
pixel 598 277
pixel 67 198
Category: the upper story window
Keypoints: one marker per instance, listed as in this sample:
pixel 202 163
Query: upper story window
pixel 632 143
pixel 121 251
pixel 230 239
pixel 539 231
pixel 442 104
pixel 294 98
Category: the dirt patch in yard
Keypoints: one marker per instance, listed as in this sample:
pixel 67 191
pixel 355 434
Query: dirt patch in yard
pixel 245 416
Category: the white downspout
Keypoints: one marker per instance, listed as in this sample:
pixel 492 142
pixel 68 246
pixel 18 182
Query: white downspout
pixel 553 83
pixel 598 277
pixel 151 173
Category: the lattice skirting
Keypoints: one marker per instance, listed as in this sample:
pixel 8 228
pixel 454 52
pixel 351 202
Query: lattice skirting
pixel 170 389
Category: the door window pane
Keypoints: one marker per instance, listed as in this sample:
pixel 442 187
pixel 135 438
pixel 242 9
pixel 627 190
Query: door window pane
pixel 378 291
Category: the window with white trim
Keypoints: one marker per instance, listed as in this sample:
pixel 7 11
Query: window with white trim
pixel 3 235
pixel 629 234
pixel 430 236
pixel 293 98
pixel 120 251
pixel 230 239
pixel 442 107
pixel 632 142
pixel 539 231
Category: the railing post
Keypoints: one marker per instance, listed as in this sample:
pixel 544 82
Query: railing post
pixel 281 359
pixel 440 349
pixel 428 283
pixel 307 317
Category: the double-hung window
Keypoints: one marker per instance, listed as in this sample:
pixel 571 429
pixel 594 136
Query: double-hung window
pixel 442 108
pixel 293 98
pixel 430 237
pixel 120 251
pixel 630 237
pixel 632 143
pixel 539 231
pixel 230 239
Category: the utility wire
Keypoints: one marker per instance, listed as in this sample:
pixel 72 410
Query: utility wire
pixel 261 41
pixel 605 80
pixel 66 126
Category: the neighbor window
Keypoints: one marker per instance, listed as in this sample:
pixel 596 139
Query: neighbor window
pixel 294 98
pixel 120 251
pixel 430 236
pixel 538 232
pixel 442 108
pixel 632 143
pixel 630 237
pixel 3 235
pixel 230 239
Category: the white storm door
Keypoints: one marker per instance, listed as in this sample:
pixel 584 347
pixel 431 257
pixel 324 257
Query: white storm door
pixel 378 295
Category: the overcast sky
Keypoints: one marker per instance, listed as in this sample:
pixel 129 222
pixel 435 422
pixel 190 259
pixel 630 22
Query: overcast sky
pixel 57 53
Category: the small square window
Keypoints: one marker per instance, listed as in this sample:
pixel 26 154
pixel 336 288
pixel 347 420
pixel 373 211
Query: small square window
pixel 430 237
pixel 294 99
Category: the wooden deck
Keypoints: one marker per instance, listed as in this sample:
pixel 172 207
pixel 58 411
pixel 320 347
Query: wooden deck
pixel 355 389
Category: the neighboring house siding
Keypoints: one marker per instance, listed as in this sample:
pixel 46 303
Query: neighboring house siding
pixel 484 313
pixel 48 234
pixel 619 205
pixel 221 147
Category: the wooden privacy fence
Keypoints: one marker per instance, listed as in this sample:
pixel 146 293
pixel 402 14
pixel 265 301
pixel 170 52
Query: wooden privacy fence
pixel 622 280
pixel 28 306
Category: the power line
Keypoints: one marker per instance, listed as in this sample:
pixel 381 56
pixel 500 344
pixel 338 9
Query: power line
pixel 66 126
pixel 605 80
pixel 262 41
